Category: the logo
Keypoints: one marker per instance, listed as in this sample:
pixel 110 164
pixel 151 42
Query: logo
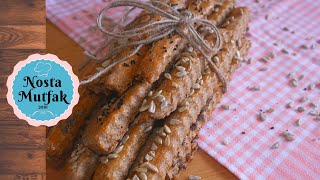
pixel 42 90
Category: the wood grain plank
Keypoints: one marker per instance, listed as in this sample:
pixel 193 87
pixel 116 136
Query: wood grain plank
pixel 22 12
pixel 30 176
pixel 22 161
pixel 22 37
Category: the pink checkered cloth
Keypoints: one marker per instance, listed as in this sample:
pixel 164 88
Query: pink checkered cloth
pixel 236 137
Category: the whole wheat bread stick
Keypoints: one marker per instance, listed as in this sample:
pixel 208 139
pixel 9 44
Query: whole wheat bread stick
pixel 158 58
pixel 179 81
pixel 136 137
pixel 105 129
pixel 81 164
pixel 188 147
pixel 174 133
pixel 123 74
pixel 61 137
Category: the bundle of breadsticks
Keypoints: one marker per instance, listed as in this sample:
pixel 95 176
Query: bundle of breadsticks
pixel 140 119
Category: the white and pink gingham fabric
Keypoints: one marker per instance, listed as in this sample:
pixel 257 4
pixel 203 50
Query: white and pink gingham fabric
pixel 279 26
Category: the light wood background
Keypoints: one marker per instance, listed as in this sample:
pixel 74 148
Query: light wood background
pixel 22 33
pixel 202 165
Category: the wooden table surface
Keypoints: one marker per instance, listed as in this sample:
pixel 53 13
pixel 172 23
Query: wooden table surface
pixel 66 49
pixel 22 33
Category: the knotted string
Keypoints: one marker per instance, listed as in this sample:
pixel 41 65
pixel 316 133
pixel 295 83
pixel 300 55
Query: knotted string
pixel 172 21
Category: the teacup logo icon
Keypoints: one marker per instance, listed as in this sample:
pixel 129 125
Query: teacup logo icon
pixel 42 90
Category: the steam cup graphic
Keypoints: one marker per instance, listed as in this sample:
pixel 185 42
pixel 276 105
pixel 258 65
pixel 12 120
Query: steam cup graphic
pixel 42 69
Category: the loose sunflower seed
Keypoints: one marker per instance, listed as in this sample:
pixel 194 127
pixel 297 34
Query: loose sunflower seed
pixel 314 113
pixel 262 116
pixel 118 149
pixel 166 129
pixel 158 140
pixel 112 156
pixel 275 145
pixel 147 129
pixel 174 122
pixel 304 99
pixel 298 122
pixel 289 105
pixel 167 141
pixel 288 136
pixel 294 83
pixel 152 107
pixel 167 76
pixel 225 107
pixel 311 86
pixel 154 147
pixel 152 168
pixel 301 109
pixel 143 176
pixel 104 160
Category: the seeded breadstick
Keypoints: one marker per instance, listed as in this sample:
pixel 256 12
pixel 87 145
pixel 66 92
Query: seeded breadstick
pixel 182 78
pixel 120 77
pixel 106 129
pixel 81 164
pixel 137 135
pixel 163 51
pixel 60 137
pixel 188 147
pixel 174 133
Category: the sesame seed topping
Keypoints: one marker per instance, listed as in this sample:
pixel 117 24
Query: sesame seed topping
pixel 152 168
pixel 106 63
pixel 181 109
pixel 194 177
pixel 141 169
pixel 124 139
pixel 157 94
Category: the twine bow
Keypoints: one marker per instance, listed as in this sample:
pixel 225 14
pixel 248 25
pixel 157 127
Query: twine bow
pixel 172 21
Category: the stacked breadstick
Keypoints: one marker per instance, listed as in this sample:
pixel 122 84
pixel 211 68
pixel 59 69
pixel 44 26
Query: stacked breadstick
pixel 139 120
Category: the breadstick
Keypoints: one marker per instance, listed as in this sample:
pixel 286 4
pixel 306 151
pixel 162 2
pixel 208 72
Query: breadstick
pixel 137 135
pixel 178 83
pixel 173 133
pixel 60 137
pixel 81 164
pixel 188 147
pixel 119 82
pixel 109 125
pixel 164 51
